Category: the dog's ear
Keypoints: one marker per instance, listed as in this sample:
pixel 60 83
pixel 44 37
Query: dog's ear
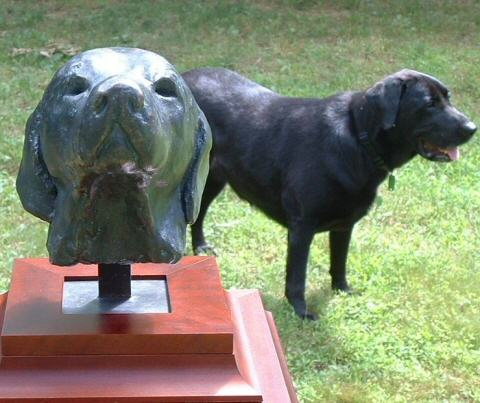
pixel 384 99
pixel 198 171
pixel 34 184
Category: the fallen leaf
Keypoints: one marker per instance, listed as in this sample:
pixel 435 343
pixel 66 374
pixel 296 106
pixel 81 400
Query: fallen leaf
pixel 20 51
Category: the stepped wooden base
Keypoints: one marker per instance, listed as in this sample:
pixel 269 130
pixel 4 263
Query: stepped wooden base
pixel 214 346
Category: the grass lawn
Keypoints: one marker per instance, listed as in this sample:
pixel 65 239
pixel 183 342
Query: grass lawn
pixel 412 334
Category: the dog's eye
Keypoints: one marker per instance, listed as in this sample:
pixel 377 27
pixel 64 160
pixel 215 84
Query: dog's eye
pixel 166 88
pixel 77 86
pixel 431 103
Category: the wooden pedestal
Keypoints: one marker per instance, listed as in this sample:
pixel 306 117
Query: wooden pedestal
pixel 214 346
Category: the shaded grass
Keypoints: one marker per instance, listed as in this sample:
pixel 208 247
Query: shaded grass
pixel 412 332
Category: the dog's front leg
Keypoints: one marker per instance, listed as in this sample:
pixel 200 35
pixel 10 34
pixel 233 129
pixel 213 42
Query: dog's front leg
pixel 299 239
pixel 339 242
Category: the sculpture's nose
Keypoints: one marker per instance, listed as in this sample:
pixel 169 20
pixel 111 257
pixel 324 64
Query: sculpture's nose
pixel 122 94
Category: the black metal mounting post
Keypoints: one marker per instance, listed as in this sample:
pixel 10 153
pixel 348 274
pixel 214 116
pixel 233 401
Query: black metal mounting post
pixel 114 281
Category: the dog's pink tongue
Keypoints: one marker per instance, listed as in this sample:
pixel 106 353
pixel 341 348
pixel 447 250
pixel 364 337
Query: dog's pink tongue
pixel 454 153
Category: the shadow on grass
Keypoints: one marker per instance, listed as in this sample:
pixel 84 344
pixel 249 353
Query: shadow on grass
pixel 317 302
pixel 312 347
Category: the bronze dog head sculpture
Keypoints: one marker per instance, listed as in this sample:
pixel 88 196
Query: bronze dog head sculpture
pixel 115 159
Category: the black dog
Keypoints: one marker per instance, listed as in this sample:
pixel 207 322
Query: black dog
pixel 314 165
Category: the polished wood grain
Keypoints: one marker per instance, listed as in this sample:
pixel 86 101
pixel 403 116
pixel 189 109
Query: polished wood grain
pixel 35 324
pixel 165 378
pixel 252 368
pixel 258 349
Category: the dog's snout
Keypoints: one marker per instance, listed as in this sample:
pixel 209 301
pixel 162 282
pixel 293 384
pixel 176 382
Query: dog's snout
pixel 119 94
pixel 469 128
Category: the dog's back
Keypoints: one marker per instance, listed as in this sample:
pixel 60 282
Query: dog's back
pixel 236 109
pixel 228 92
pixel 259 136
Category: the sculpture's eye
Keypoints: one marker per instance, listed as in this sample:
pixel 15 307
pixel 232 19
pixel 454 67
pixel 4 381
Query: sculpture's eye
pixel 76 86
pixel 166 88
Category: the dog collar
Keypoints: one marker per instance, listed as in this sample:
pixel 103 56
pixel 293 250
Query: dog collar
pixel 377 159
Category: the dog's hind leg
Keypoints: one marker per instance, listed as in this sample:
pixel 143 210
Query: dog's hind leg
pixel 339 242
pixel 213 187
pixel 300 237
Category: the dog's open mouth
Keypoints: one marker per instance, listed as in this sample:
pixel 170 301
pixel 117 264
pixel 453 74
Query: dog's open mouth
pixel 435 153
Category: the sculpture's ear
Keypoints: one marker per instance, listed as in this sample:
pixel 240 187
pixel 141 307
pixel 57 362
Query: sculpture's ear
pixel 384 98
pixel 34 184
pixel 198 171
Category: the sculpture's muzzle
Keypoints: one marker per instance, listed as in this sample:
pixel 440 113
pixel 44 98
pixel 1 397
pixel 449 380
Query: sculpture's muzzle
pixel 119 96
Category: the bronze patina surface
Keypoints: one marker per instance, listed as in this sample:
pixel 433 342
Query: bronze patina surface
pixel 115 159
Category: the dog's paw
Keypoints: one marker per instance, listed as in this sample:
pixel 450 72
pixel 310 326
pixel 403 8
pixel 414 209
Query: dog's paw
pixel 205 250
pixel 308 315
pixel 341 287
pixel 345 290
pixel 302 311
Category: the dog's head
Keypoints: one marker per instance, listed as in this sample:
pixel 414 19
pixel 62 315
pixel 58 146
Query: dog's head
pixel 413 113
pixel 115 158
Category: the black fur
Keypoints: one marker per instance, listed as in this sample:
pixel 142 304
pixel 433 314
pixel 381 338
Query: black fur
pixel 300 160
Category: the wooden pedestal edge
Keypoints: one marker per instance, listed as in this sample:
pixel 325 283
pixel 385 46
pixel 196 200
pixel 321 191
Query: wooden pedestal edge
pixel 258 355
pixel 258 349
